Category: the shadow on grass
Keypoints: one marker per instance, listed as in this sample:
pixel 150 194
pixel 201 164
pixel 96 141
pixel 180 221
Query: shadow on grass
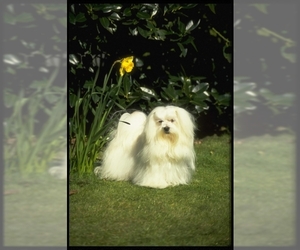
pixel 119 213
pixel 35 211
pixel 264 191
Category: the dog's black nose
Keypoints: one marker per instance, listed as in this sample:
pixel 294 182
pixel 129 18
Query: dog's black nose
pixel 167 129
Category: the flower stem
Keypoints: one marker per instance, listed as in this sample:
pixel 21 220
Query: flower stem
pixel 291 42
pixel 220 35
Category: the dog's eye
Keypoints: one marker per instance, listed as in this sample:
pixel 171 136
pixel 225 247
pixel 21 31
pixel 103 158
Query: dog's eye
pixel 160 121
pixel 172 120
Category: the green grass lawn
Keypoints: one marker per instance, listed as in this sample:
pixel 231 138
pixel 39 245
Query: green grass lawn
pixel 264 191
pixel 103 213
pixel 35 211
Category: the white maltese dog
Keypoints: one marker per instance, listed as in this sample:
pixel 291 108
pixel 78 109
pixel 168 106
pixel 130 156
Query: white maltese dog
pixel 155 151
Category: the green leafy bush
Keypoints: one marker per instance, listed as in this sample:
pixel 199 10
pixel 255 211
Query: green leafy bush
pixel 100 101
pixel 264 89
pixel 35 96
pixel 174 39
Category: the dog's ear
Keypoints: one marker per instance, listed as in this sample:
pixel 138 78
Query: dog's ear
pixel 150 120
pixel 186 122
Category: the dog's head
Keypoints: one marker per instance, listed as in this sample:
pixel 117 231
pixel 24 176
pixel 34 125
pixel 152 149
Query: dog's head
pixel 170 123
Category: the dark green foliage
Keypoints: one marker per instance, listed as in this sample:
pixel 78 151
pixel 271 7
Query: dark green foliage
pixel 182 54
pixel 34 85
pixel 265 84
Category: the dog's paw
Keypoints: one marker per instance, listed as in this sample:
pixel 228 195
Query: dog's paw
pixel 97 171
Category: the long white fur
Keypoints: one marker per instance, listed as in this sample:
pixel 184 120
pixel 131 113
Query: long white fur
pixel 145 152
pixel 118 158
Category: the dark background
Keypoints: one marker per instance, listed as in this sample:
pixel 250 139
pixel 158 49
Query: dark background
pixel 89 41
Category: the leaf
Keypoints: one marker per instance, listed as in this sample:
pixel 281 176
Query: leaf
pixel 38 84
pixel 80 18
pixel 129 22
pixel 266 93
pixel 127 12
pixel 285 100
pixel 9 99
pixel 25 18
pixel 126 85
pixel 151 25
pixel 181 26
pixel 189 6
pixel 95 98
pixel 11 71
pixel 133 32
pixel 72 18
pixel 227 55
pixel 49 17
pixel 289 56
pixel 148 92
pixel 104 22
pixel 262 32
pixel 170 92
pixel 143 33
pixel 201 87
pixel 63 21
pixel 94 17
pixel 243 106
pixel 175 78
pixel 8 18
pixel 143 15
pixel 199 99
pixel 88 84
pixel 224 99
pixel 72 7
pixel 242 97
pixel 191 26
pixel 212 7
pixel 115 16
pixel 111 7
pixel 261 7
pixel 22 18
pixel 183 50
pixel 243 87
pixel 161 34
pixel 52 98
pixel 212 32
pixel 11 59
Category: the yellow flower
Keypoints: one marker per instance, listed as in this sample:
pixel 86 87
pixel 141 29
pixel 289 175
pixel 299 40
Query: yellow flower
pixel 126 65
